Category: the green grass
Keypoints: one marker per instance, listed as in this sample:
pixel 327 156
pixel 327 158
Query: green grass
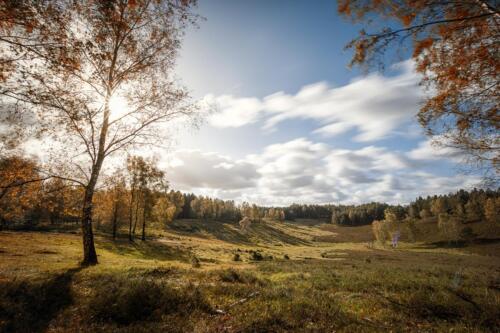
pixel 334 280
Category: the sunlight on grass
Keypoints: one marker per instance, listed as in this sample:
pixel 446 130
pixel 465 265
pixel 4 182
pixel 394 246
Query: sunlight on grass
pixel 352 286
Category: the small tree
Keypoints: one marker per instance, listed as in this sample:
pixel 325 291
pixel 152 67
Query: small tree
pixel 460 214
pixel 439 206
pixel 246 210
pixel 111 203
pixel 379 229
pixel 449 227
pixel 168 207
pixel 119 195
pixel 473 210
pixel 17 188
pixel 411 229
pixel 161 211
pixel 176 200
pixel 492 210
pixel 425 214
pixel 255 213
pixel 145 179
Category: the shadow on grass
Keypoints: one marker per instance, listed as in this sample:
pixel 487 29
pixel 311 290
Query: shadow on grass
pixel 452 305
pixel 29 306
pixel 70 228
pixel 267 233
pixel 151 249
pixel 230 232
pixel 486 241
pixel 307 222
pixel 459 243
pixel 125 300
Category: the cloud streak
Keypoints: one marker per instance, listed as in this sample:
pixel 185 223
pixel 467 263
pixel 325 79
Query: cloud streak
pixel 375 106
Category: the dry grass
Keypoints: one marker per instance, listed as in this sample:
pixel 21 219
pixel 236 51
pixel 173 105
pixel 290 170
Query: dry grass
pixel 333 280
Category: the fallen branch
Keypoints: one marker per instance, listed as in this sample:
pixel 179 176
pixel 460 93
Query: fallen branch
pixel 371 322
pixel 241 301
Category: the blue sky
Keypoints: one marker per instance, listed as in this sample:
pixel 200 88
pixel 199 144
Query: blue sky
pixel 257 47
pixel 292 122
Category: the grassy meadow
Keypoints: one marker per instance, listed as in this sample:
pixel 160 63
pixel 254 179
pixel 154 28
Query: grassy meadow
pixel 209 276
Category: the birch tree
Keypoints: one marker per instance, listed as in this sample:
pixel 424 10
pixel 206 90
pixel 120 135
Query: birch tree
pixel 92 78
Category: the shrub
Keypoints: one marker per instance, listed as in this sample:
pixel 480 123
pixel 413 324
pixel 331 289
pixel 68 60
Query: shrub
pixel 307 311
pixel 27 306
pixel 231 275
pixel 236 257
pixel 256 256
pixel 195 262
pixel 127 301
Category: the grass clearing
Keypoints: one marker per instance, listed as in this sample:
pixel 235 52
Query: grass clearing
pixel 344 286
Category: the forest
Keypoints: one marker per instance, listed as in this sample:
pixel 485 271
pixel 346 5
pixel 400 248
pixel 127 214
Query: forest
pixel 140 197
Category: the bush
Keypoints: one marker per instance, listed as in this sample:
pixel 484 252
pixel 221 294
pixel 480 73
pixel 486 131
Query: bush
pixel 231 275
pixel 127 301
pixel 28 306
pixel 195 262
pixel 236 257
pixel 256 256
pixel 448 226
pixel 307 311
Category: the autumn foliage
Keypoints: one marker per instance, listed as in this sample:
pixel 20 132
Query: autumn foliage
pixel 456 49
pixel 18 191
pixel 64 62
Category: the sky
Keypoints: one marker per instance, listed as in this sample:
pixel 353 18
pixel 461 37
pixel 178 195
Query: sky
pixel 288 122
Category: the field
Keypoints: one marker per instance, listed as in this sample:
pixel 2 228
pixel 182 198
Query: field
pixel 208 276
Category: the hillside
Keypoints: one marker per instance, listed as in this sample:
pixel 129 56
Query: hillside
pixel 302 276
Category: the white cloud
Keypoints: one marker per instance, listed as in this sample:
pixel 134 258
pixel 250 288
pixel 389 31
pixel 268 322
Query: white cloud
pixel 190 169
pixel 430 150
pixel 374 105
pixel 334 129
pixel 233 112
pixel 309 172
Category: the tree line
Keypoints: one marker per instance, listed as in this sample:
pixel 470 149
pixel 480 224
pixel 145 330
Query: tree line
pixel 468 206
pixel 133 198
pixel 451 212
pixel 139 195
